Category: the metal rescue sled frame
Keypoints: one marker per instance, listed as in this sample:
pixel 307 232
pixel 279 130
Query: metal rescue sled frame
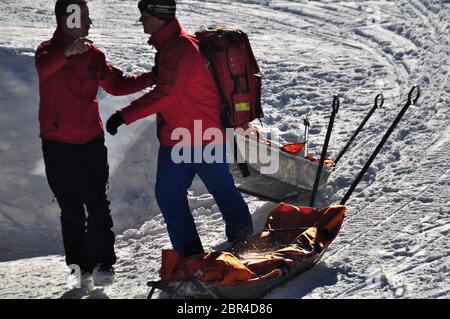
pixel 295 173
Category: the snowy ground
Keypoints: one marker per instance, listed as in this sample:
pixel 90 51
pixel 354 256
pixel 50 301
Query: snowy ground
pixel 395 240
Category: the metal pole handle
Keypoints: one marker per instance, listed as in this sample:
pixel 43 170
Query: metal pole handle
pixel 379 101
pixel 307 125
pixel 414 88
pixel 335 109
pixel 382 142
pixel 379 96
pixel 336 104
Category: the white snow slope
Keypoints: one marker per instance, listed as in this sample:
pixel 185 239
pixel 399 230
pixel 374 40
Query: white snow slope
pixel 395 240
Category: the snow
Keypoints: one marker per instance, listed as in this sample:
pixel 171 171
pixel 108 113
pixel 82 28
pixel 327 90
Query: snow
pixel 395 240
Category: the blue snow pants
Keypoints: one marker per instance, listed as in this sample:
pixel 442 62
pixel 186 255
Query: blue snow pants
pixel 172 182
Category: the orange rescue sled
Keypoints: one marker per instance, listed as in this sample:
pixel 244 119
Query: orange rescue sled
pixel 293 240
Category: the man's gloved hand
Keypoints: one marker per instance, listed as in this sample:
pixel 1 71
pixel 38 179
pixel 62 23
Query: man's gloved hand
pixel 113 123
pixel 79 46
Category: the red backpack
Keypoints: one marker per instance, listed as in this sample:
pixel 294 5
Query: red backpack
pixel 236 73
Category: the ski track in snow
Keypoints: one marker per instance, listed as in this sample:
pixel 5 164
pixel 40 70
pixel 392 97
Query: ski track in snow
pixel 394 241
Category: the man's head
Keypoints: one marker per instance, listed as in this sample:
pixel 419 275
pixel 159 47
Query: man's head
pixel 156 13
pixel 72 16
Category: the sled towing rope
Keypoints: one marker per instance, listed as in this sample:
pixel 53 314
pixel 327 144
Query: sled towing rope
pixel 383 141
pixel 372 110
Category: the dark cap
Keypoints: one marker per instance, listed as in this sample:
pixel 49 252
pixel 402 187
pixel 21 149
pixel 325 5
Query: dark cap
pixel 163 9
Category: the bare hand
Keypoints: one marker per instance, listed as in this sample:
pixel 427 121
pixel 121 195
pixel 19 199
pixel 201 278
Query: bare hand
pixel 79 46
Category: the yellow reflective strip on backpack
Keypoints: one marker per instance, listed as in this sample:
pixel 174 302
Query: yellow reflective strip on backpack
pixel 242 106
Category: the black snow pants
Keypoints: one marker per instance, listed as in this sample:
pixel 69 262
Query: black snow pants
pixel 77 175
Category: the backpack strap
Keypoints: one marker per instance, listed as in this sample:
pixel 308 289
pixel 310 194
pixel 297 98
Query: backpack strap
pixel 223 101
pixel 243 167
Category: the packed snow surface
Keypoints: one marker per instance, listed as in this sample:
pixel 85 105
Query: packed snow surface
pixel 395 240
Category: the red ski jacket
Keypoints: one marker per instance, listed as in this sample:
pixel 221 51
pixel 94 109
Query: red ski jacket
pixel 68 109
pixel 185 90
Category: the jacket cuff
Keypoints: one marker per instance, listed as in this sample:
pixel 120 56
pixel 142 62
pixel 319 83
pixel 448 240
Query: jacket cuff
pixel 125 116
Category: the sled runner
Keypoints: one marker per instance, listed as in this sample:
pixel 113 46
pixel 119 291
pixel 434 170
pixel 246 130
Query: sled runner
pixel 293 240
pixel 263 187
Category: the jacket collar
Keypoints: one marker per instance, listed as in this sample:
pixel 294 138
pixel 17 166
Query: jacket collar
pixel 61 38
pixel 166 33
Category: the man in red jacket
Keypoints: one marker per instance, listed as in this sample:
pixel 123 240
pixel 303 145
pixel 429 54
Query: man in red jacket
pixel 70 70
pixel 185 99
